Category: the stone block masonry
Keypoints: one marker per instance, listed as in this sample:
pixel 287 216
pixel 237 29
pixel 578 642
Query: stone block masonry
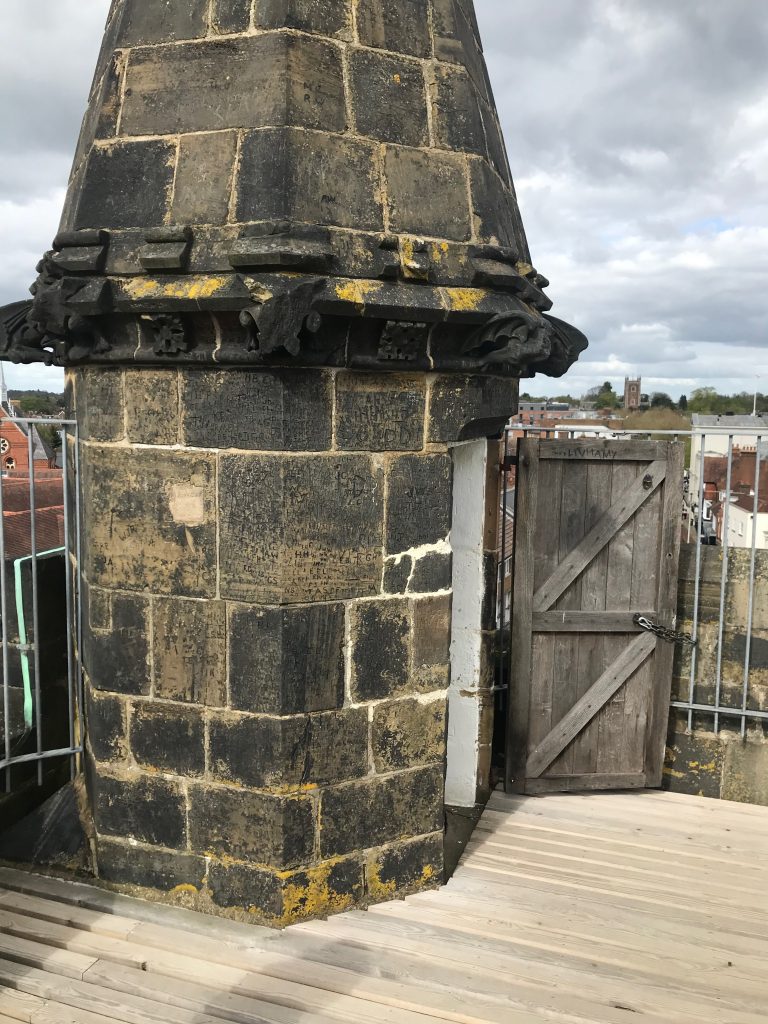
pixel 268 574
pixel 371 117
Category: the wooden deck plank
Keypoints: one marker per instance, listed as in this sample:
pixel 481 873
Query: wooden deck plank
pixel 589 909
pixel 536 975
pixel 662 965
pixel 635 879
pixel 19 1005
pixel 80 995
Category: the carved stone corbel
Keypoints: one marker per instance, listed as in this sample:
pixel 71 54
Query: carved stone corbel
pixel 514 339
pixel 46 329
pixel 277 321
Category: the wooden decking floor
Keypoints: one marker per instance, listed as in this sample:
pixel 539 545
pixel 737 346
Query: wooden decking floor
pixel 602 908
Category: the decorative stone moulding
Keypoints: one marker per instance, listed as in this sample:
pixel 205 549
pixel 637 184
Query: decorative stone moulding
pixel 299 314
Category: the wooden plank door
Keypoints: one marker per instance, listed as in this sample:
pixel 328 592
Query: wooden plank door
pixel 597 539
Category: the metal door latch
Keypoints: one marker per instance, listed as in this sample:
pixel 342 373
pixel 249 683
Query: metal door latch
pixel 670 635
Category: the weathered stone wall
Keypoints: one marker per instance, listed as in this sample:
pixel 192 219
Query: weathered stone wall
pixel 268 579
pixel 724 765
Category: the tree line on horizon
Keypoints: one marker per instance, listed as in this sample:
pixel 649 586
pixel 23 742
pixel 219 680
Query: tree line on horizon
pixel 706 401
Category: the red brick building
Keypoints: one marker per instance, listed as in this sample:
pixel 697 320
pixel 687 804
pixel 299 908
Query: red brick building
pixel 14 445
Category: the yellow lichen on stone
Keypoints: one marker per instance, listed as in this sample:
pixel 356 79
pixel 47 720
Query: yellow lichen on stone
pixel 379 890
pixel 463 300
pixel 310 894
pixel 179 889
pixel 355 292
pixel 194 288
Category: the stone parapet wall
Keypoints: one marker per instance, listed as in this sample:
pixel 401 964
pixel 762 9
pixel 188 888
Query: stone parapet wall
pixel 267 563
pixel 699 761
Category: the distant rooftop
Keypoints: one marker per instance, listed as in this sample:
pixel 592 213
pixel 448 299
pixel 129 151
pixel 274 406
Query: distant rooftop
pixel 760 421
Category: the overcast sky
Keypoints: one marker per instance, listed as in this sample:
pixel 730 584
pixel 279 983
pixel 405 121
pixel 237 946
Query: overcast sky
pixel 637 131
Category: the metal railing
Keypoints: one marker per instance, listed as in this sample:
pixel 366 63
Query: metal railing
pixel 42 692
pixel 724 567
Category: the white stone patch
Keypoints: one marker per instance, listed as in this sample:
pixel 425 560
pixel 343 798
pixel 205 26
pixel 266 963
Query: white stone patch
pixel 469 481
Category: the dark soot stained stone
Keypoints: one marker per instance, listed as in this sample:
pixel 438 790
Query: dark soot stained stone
pixel 318 179
pixel 160 22
pixel 396 574
pixel 389 98
pixel 380 649
pixel 250 82
pixel 407 733
pixel 338 746
pixel 287 661
pixel 126 185
pixel 153 869
pixel 284 410
pixel 427 194
pixel 259 752
pixel 463 408
pixel 251 826
pixel 152 406
pixel 189 648
pixel 298 530
pixel 148 809
pixel 409 865
pixel 398 25
pixel 100 404
pixel 246 887
pixel 458 122
pixel 106 719
pixel 204 178
pixel 325 17
pixel 232 15
pixel 376 811
pixel 118 659
pixel 152 520
pixel 433 572
pixel 168 738
pixel 380 413
pixel 419 501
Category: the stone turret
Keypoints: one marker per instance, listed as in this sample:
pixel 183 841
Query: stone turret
pixel 294 296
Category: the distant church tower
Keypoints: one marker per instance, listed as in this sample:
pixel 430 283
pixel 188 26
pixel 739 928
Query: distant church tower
pixel 4 400
pixel 632 396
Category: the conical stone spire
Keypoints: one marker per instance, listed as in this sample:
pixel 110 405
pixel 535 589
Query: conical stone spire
pixel 292 162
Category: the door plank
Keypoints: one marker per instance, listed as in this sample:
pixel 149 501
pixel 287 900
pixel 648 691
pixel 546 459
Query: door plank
pixel 547 535
pixel 586 708
pixel 602 450
pixel 584 783
pixel 669 558
pixel 619 513
pixel 610 756
pixel 643 591
pixel 566 646
pixel 591 646
pixel 526 503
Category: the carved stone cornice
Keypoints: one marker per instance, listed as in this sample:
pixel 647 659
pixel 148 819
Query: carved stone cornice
pixel 80 313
